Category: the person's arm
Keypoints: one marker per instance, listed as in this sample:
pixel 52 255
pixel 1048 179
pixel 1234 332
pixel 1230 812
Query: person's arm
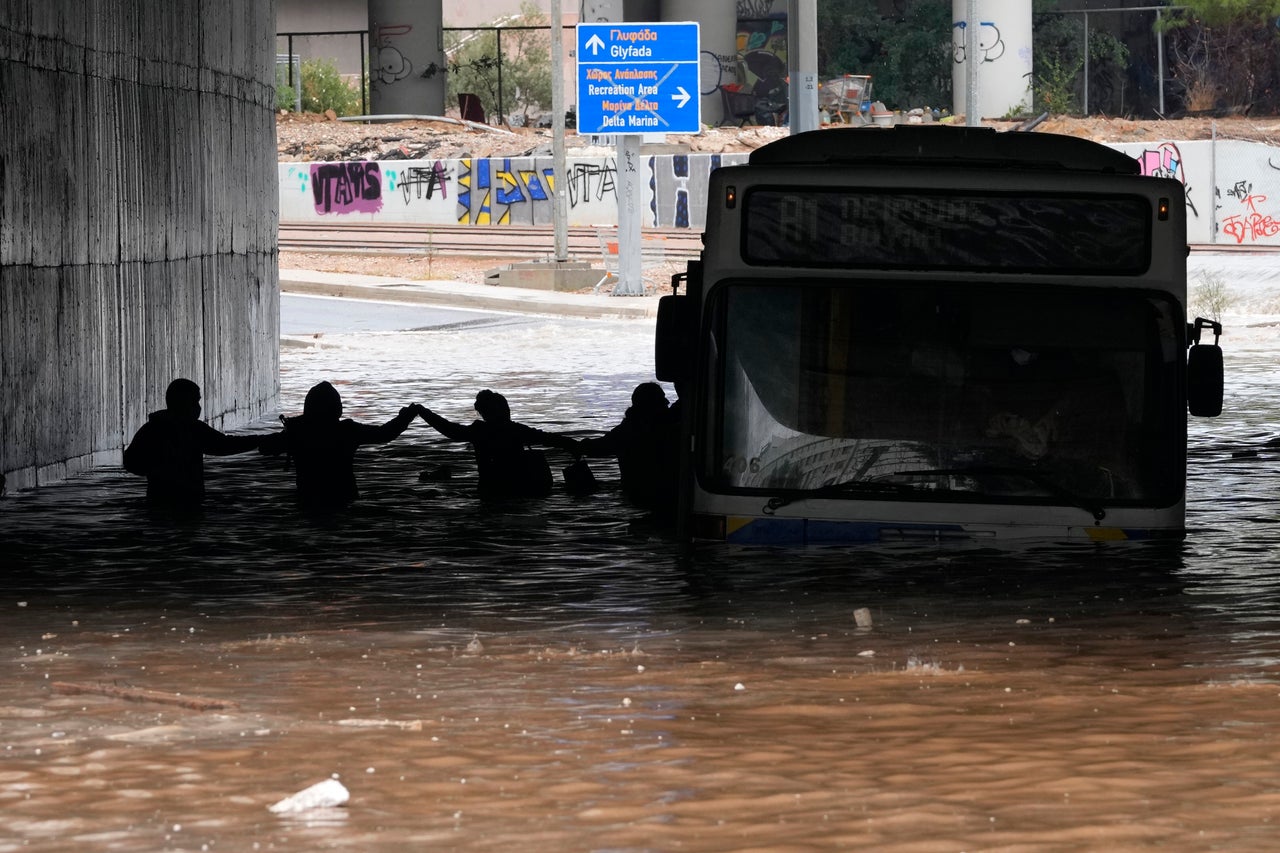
pixel 137 456
pixel 532 435
pixel 273 444
pixel 446 427
pixel 606 445
pixel 370 434
pixel 215 443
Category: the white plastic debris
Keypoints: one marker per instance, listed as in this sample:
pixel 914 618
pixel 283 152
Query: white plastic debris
pixel 862 617
pixel 321 795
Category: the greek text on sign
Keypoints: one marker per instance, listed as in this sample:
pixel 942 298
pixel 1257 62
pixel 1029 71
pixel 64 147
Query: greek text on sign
pixel 638 78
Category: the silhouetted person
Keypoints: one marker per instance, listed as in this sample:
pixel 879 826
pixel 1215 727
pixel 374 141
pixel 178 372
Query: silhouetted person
pixel 642 443
pixel 506 466
pixel 322 446
pixel 170 447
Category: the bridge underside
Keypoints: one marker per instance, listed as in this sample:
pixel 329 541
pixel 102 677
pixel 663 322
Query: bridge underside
pixel 138 211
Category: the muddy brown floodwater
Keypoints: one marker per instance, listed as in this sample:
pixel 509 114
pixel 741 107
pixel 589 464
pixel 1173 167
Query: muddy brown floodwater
pixel 559 676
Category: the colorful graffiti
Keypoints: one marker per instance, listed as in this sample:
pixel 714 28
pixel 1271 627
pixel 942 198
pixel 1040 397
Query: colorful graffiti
pixel 346 187
pixel 1232 180
pixel 498 191
pixel 1252 224
pixel 1165 161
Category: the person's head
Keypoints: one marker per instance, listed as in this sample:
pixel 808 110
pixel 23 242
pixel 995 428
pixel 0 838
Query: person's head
pixel 323 402
pixel 182 397
pixel 492 406
pixel 649 397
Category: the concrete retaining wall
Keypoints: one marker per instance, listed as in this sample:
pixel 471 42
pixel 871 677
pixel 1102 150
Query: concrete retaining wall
pixel 494 190
pixel 138 219
pixel 1232 189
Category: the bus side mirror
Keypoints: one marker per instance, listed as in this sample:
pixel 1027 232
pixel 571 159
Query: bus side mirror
pixel 1204 380
pixel 1204 370
pixel 673 338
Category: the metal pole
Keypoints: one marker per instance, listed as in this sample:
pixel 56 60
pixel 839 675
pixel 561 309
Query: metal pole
pixel 502 115
pixel 802 61
pixel 972 113
pixel 1213 183
pixel 1086 63
pixel 364 75
pixel 558 206
pixel 1160 57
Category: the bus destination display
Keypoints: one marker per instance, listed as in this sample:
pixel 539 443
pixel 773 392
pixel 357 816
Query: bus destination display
pixel 854 227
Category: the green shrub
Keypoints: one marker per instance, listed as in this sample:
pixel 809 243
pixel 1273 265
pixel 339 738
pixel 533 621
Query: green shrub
pixel 323 88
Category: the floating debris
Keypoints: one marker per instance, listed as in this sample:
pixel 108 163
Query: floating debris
pixel 321 795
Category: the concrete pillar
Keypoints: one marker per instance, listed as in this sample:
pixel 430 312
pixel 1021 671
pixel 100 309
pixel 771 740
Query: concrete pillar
pixel 718 36
pixel 138 200
pixel 406 41
pixel 1003 57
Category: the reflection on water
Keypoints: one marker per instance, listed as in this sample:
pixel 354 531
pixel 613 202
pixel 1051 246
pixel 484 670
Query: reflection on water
pixel 556 675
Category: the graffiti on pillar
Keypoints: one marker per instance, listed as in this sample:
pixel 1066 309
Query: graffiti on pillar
pixel 419 182
pixel 990 44
pixel 762 57
pixel 388 62
pixel 1165 161
pixel 1250 224
pixel 346 187
pixel 502 191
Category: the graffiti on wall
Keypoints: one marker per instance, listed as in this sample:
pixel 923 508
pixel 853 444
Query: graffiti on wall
pixel 346 187
pixel 591 181
pixel 498 191
pixel 1165 161
pixel 1250 224
pixel 502 191
pixel 678 189
pixel 419 182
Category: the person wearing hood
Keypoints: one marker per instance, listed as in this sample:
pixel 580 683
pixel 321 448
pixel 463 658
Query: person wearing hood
pixel 642 442
pixel 322 446
pixel 505 461
pixel 170 447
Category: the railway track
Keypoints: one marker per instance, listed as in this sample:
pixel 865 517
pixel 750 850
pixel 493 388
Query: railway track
pixel 498 241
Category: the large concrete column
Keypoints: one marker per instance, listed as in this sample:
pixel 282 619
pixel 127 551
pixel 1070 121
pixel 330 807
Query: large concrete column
pixel 138 202
pixel 406 41
pixel 1002 57
pixel 718 37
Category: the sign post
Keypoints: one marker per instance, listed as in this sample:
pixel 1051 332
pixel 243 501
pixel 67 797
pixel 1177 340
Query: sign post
pixel 636 78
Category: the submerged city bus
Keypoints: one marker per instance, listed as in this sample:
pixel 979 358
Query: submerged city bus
pixel 928 332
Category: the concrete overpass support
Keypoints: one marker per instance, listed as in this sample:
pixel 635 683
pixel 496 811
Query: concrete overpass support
pixel 138 207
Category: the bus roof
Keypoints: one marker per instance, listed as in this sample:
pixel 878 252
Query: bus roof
pixel 941 145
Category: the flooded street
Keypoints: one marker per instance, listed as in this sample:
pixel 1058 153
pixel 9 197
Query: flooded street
pixel 558 675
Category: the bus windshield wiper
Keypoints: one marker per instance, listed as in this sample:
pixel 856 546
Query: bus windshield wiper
pixel 1053 487
pixel 847 487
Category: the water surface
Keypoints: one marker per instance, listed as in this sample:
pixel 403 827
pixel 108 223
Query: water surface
pixel 559 675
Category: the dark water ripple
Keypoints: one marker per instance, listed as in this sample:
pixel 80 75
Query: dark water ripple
pixel 421 546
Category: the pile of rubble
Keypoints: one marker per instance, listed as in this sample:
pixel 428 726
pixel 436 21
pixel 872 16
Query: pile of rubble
pixel 310 137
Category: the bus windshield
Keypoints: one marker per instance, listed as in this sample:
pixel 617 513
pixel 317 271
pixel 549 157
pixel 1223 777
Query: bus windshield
pixel 936 391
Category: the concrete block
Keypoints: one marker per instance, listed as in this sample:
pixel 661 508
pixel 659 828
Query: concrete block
pixel 546 275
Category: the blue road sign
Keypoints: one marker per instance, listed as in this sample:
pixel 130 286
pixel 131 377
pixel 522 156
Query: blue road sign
pixel 638 78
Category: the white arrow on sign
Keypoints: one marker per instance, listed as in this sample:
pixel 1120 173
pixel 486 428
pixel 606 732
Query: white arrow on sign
pixel 596 44
pixel 683 97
